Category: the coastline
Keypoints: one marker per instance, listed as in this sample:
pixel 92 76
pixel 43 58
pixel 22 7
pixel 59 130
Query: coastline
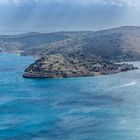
pixel 135 63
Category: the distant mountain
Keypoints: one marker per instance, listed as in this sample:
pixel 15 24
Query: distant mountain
pixel 117 44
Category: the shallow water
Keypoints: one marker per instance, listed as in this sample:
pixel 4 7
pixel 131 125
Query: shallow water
pixel 93 108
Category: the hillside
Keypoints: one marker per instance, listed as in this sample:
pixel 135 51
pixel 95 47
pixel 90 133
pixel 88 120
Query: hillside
pixel 118 44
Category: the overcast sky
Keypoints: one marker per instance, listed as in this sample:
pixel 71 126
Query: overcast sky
pixel 63 15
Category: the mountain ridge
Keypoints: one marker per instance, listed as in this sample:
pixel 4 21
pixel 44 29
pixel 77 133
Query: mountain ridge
pixel 116 44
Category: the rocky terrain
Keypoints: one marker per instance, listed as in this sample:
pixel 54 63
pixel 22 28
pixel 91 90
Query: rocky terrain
pixel 57 66
pixel 117 44
pixel 112 45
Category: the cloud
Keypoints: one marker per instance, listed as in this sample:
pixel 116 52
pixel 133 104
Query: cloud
pixel 80 2
pixel 16 2
pixel 8 2
pixel 59 15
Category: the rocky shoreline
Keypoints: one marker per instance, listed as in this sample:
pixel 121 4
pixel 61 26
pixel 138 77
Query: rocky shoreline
pixel 59 66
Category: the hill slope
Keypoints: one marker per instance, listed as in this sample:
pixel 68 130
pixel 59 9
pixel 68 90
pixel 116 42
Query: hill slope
pixel 118 44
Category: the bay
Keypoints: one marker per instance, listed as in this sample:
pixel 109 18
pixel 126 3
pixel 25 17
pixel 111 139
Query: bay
pixel 89 108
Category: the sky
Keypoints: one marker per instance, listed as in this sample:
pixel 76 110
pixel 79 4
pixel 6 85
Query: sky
pixel 20 16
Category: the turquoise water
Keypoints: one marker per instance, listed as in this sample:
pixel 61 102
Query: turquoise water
pixel 95 108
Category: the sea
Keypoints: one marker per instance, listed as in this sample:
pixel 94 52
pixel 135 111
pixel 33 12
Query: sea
pixel 88 108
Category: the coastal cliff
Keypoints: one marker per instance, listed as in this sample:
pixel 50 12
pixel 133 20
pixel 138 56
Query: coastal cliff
pixel 59 66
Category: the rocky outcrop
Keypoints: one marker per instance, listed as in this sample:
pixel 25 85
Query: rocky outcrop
pixel 58 66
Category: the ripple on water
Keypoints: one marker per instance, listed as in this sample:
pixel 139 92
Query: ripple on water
pixel 100 108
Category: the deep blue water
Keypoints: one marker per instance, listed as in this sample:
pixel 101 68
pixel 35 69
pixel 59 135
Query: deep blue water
pixel 93 108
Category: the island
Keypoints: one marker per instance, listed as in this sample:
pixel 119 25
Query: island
pixel 59 66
